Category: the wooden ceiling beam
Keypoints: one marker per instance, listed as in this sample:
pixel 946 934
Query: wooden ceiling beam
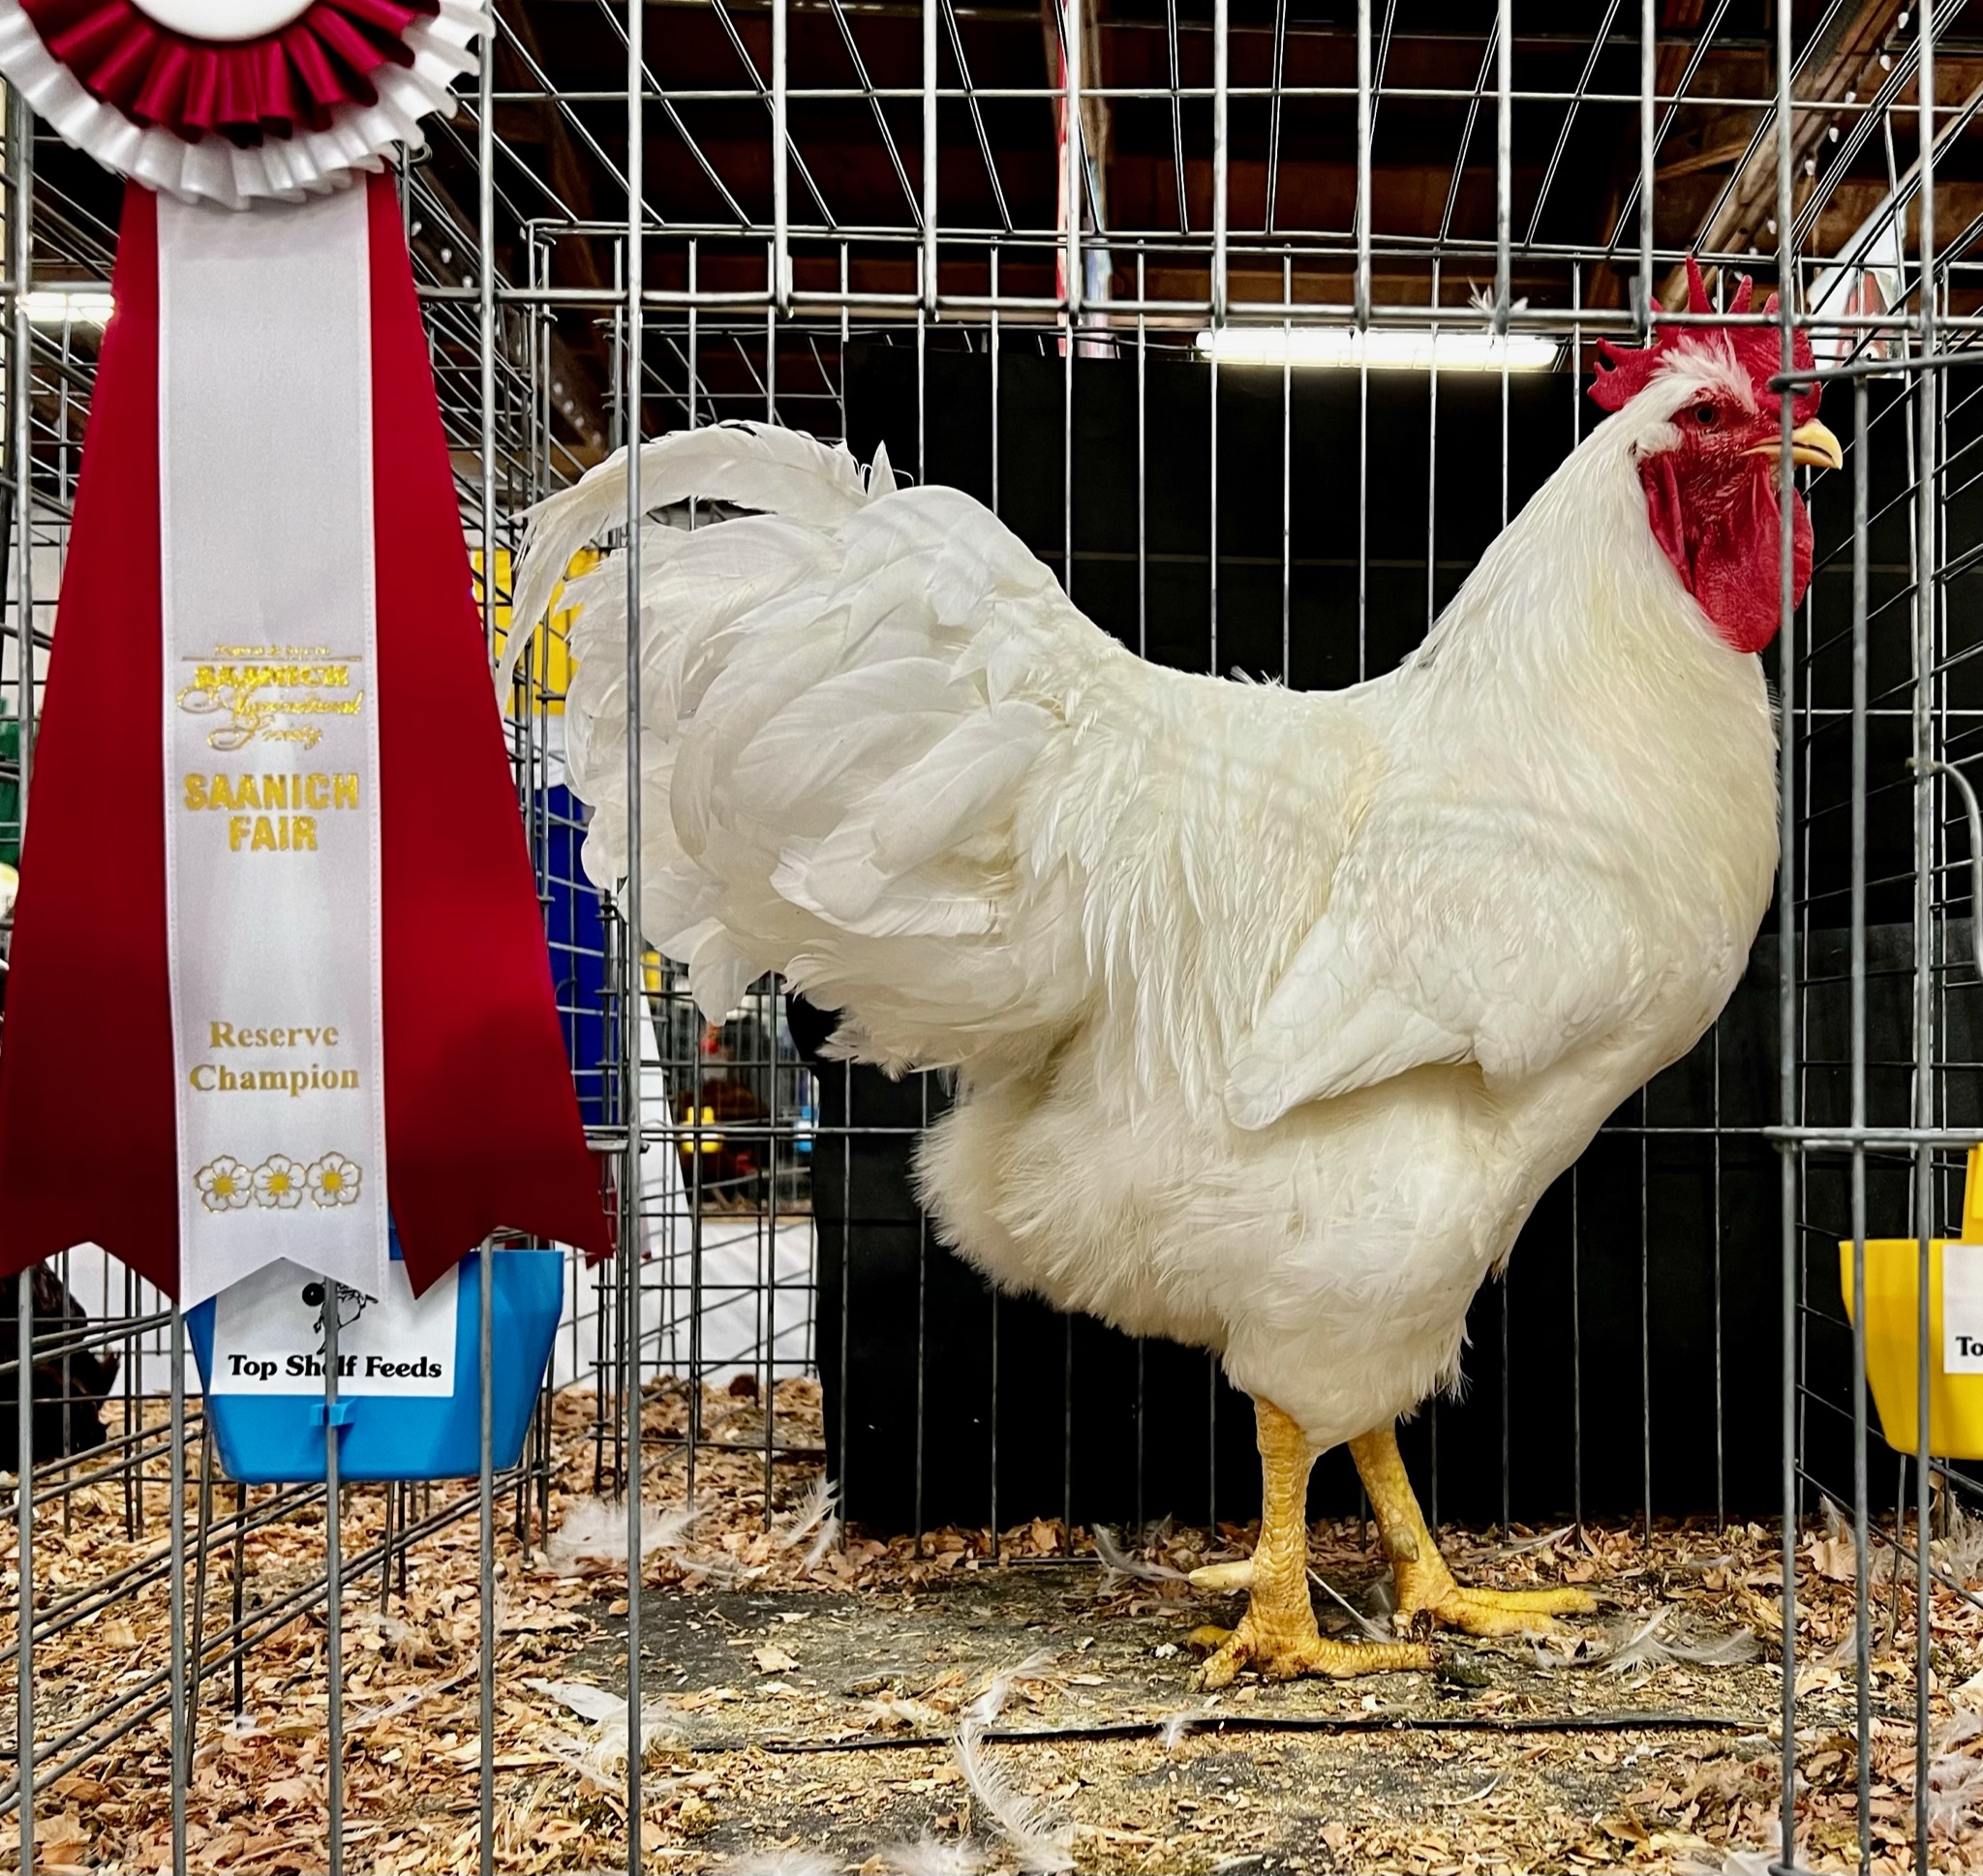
pixel 1844 62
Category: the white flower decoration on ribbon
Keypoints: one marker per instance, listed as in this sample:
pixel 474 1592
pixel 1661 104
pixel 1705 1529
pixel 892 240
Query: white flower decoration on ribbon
pixel 335 1180
pixel 225 1185
pixel 280 1182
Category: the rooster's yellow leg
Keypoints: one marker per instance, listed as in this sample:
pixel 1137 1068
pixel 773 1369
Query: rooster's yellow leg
pixel 1425 1587
pixel 1277 1635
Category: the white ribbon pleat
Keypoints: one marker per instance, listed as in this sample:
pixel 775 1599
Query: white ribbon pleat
pixel 271 738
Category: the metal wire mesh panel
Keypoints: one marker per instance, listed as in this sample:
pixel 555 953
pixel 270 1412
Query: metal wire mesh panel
pixel 1162 286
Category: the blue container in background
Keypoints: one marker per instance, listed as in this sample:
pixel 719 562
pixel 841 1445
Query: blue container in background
pixel 278 1439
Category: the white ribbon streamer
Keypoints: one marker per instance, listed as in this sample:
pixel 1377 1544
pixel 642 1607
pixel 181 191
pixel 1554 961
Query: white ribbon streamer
pixel 271 738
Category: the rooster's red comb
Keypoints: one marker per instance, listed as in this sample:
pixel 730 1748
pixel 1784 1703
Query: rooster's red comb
pixel 1625 371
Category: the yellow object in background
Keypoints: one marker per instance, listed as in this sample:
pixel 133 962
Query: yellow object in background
pixel 551 666
pixel 1955 1401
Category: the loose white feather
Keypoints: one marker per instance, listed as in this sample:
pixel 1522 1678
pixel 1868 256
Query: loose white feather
pixel 1649 1646
pixel 1954 1792
pixel 602 1754
pixel 1119 1562
pixel 989 1704
pixel 932 1856
pixel 1961 1552
pixel 592 1535
pixel 588 1702
pixel 814 1517
pixel 1748 1862
pixel 1040 1841
pixel 1372 1630
pixel 787 1861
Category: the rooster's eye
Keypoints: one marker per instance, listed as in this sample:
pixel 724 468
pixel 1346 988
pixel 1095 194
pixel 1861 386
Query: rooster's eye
pixel 1706 415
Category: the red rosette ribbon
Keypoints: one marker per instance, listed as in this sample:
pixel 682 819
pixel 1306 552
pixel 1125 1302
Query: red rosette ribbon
pixel 294 78
pixel 257 368
pixel 233 102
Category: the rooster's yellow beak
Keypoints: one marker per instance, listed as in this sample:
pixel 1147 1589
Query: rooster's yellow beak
pixel 1811 443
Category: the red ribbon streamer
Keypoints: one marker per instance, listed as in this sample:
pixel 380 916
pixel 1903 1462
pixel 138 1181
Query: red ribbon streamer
pixel 482 1128
pixel 287 82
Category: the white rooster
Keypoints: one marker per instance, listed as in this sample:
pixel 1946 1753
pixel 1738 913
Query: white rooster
pixel 1272 1015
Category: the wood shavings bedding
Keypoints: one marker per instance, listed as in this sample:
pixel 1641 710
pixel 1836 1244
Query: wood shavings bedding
pixel 1069 1683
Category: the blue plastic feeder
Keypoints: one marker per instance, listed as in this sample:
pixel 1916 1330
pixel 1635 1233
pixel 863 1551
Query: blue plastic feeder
pixel 276 1438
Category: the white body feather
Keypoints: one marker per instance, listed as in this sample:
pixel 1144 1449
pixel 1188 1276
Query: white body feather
pixel 1273 1013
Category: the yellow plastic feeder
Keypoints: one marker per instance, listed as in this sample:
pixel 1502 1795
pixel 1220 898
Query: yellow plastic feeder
pixel 1955 1401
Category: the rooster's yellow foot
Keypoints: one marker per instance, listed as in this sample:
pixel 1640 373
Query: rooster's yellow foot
pixel 1285 1652
pixel 1430 1598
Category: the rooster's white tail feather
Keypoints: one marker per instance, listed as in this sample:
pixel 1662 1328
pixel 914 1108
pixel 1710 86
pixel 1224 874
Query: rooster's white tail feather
pixel 843 694
pixel 748 466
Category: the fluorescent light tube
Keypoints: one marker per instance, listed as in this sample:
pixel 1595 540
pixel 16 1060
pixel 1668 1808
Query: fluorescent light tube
pixel 63 306
pixel 1394 349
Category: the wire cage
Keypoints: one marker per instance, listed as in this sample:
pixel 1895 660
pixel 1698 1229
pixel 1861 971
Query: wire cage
pixel 1163 285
